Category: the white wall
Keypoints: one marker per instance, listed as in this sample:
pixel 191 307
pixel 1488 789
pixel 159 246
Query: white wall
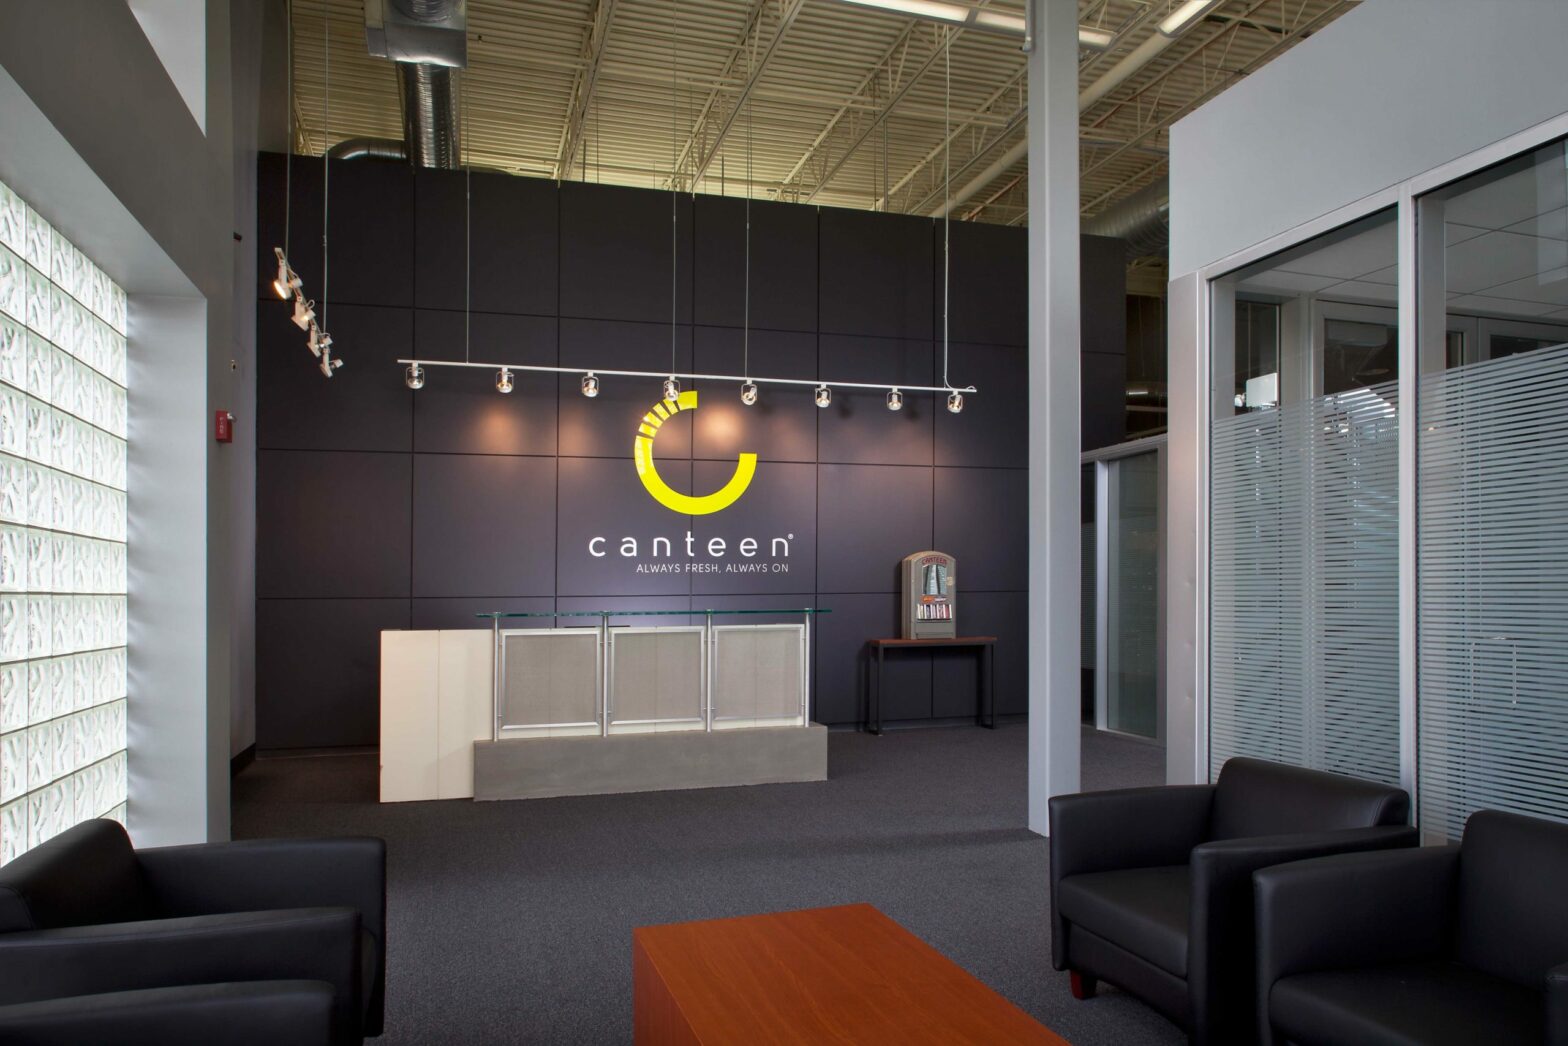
pixel 1390 91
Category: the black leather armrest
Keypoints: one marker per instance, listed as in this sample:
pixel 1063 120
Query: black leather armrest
pixel 257 1013
pixel 1124 828
pixel 318 944
pixel 1221 946
pixel 1557 1006
pixel 258 874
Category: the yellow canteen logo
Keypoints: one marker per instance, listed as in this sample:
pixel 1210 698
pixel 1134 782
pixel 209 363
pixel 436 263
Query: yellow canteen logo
pixel 673 500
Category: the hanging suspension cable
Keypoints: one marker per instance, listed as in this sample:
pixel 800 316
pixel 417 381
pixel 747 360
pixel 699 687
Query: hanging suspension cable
pixel 468 211
pixel 947 193
pixel 675 95
pixel 326 165
pixel 745 344
pixel 288 120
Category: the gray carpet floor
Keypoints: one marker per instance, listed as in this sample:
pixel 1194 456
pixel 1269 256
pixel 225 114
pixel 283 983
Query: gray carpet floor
pixel 511 922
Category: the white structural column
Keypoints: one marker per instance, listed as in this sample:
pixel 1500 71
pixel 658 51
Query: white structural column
pixel 1053 408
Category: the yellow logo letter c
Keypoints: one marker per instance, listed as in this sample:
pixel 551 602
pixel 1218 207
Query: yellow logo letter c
pixel 673 500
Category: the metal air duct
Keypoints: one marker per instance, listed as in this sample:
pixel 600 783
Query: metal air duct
pixel 1142 219
pixel 427 39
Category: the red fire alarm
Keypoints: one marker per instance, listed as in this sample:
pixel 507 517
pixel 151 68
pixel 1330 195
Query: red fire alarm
pixel 223 427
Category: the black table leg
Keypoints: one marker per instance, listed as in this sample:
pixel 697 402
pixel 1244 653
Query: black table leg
pixel 876 725
pixel 988 685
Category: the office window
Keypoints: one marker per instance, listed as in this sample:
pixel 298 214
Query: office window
pixel 62 534
pixel 1304 538
pixel 1492 487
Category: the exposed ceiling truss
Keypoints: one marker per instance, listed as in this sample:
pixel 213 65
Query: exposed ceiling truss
pixel 822 101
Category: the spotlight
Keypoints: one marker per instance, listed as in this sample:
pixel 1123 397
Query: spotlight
pixel 672 388
pixel 320 340
pixel 415 378
pixel 590 385
pixel 824 395
pixel 895 400
pixel 955 401
pixel 304 312
pixel 328 364
pixel 286 282
pixel 748 393
pixel 503 380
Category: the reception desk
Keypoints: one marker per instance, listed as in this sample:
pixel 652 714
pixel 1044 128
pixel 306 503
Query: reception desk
pixel 571 703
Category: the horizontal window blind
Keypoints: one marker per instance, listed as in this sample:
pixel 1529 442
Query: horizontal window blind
pixel 1304 585
pixel 62 534
pixel 1493 577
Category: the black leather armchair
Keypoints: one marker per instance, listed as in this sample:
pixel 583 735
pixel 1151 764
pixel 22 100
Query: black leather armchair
pixel 1465 944
pixel 86 915
pixel 257 1013
pixel 1151 888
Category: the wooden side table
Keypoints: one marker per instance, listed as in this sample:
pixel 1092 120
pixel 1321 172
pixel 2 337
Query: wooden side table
pixel 984 648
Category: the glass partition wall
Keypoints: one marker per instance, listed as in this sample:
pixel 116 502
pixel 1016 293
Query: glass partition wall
pixel 1424 639
pixel 1304 554
pixel 1492 632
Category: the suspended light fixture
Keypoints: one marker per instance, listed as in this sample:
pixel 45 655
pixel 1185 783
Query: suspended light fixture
pixel 328 364
pixel 672 388
pixel 748 393
pixel 824 396
pixel 590 385
pixel 955 402
pixel 415 378
pixel 287 282
pixel 304 312
pixel 895 400
pixel 503 380
pixel 320 341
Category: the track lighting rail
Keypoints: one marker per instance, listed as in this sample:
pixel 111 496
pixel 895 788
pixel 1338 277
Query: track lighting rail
pixel 662 375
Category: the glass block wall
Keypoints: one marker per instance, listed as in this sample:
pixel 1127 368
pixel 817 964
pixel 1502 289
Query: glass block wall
pixel 62 534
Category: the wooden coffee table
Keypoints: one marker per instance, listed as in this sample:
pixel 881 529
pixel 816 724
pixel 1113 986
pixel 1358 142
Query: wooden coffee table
pixel 825 975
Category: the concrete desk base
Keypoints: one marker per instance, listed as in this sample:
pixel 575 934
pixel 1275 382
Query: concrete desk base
pixel 538 767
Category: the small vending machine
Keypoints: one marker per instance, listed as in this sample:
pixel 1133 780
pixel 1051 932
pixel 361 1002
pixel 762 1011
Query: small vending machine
pixel 930 605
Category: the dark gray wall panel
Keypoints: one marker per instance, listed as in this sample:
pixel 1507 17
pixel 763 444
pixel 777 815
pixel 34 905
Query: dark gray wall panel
pixel 869 518
pixel 459 612
pixel 780 503
pixel 318 670
pixel 332 523
pixel 955 676
pixel 459 411
pixel 782 424
pixel 843 662
pixel 662 604
pixel 513 226
pixel 876 274
pixel 856 426
pixel 989 280
pixel 483 525
pixel 783 264
pixel 1102 277
pixel 364 406
pixel 606 425
pixel 1103 399
pixel 371 229
pixel 615 253
pixel 982 517
pixel 993 428
pixel 603 497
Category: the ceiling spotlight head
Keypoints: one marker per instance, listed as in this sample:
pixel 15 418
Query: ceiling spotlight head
pixel 824 395
pixel 329 365
pixel 503 380
pixel 415 377
pixel 320 341
pixel 895 400
pixel 590 385
pixel 955 401
pixel 672 388
pixel 284 284
pixel 748 393
pixel 304 312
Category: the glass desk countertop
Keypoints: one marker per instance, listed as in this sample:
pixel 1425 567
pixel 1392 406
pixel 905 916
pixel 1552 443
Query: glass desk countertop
pixel 501 615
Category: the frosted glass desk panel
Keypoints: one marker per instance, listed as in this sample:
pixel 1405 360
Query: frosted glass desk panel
pixel 759 675
pixel 657 678
pixel 549 678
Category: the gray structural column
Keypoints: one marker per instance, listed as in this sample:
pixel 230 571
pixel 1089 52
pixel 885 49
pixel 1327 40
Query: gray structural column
pixel 1053 407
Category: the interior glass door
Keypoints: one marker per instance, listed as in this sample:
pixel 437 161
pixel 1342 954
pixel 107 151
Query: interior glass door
pixel 1131 616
